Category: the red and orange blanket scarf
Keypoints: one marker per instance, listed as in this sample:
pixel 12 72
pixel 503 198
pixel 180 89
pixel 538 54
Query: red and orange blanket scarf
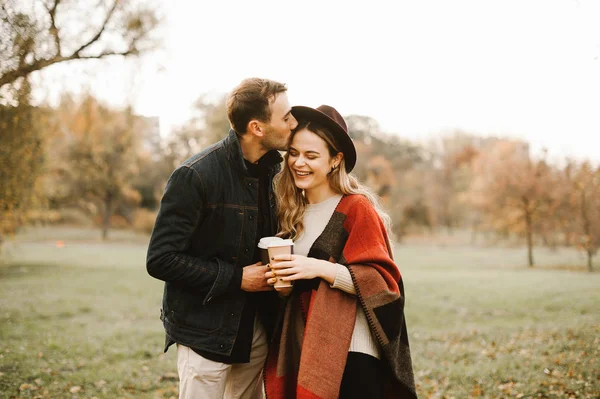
pixel 355 236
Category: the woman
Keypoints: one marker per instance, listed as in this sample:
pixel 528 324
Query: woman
pixel 343 332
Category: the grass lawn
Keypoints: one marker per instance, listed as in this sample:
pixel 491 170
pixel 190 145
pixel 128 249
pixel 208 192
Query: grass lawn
pixel 80 320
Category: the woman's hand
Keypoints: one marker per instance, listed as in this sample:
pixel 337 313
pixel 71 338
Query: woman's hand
pixel 299 267
pixel 271 280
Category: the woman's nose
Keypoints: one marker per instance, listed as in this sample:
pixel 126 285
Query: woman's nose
pixel 299 161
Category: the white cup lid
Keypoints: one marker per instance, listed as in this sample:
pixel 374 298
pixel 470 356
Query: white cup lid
pixel 265 241
pixel 280 243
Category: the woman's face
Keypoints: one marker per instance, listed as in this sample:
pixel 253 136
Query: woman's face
pixel 309 161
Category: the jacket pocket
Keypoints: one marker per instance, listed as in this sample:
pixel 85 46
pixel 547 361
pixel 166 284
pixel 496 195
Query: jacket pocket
pixel 201 323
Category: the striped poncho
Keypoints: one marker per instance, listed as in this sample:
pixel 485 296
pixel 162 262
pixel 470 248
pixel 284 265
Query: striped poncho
pixel 355 237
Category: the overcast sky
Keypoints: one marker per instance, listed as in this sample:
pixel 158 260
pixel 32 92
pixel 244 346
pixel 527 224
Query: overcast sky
pixel 527 69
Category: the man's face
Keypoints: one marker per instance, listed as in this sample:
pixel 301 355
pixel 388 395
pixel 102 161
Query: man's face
pixel 279 129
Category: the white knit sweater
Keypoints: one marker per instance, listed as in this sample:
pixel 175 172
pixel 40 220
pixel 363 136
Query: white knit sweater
pixel 315 219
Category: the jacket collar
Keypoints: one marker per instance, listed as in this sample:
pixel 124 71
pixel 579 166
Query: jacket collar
pixel 235 156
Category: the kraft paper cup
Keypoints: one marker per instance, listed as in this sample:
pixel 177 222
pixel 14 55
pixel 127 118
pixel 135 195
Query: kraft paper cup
pixel 263 244
pixel 282 247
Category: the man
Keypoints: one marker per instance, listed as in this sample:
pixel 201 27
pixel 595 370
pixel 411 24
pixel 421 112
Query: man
pixel 216 206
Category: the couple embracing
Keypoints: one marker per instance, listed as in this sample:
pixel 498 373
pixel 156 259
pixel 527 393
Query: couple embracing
pixel 340 331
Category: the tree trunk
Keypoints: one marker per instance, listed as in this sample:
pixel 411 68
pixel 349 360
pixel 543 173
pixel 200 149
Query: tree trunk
pixel 107 212
pixel 529 232
pixel 587 230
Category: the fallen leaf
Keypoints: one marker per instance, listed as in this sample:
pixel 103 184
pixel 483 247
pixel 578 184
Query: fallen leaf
pixel 477 391
pixel 75 389
pixel 556 373
pixel 24 387
pixel 100 384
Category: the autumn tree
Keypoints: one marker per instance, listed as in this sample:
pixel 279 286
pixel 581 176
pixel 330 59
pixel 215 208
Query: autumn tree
pixel 448 176
pixel 370 141
pixel 511 190
pixel 210 115
pixel 385 161
pixel 584 202
pixel 21 159
pixel 380 178
pixel 101 157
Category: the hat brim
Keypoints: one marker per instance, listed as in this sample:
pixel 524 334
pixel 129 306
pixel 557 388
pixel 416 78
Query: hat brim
pixel 341 137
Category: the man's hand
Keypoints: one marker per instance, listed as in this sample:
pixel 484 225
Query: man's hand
pixel 253 278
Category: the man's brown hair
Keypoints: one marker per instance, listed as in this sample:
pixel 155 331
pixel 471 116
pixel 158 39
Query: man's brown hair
pixel 251 100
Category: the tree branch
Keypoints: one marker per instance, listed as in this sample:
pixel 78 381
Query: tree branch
pixel 104 54
pixel 26 66
pixel 102 28
pixel 26 69
pixel 53 28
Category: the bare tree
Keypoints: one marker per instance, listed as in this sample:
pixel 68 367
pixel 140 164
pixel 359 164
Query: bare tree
pixel 35 34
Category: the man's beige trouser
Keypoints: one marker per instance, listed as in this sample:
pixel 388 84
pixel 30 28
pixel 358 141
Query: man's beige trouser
pixel 200 378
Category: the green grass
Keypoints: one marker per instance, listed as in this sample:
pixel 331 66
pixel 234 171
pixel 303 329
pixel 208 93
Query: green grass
pixel 482 324
pixel 82 321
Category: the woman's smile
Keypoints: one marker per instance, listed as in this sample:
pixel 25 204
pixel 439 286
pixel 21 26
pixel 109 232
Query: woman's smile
pixel 302 173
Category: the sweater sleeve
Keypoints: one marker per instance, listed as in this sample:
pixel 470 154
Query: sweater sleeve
pixel 343 280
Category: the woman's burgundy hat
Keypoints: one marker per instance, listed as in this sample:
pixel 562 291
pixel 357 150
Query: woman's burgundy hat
pixel 332 120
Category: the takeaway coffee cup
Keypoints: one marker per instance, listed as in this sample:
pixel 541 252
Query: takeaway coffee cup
pixel 280 247
pixel 263 244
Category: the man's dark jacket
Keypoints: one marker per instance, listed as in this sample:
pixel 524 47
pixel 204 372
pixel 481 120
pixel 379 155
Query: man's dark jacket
pixel 204 234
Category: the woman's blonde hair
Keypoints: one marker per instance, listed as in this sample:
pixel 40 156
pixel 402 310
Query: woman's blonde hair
pixel 291 200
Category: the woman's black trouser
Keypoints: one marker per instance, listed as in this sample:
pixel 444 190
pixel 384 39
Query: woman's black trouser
pixel 363 377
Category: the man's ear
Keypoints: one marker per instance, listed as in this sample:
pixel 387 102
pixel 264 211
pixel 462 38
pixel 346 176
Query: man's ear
pixel 255 127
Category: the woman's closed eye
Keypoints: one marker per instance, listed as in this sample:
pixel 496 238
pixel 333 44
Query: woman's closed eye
pixel 310 155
